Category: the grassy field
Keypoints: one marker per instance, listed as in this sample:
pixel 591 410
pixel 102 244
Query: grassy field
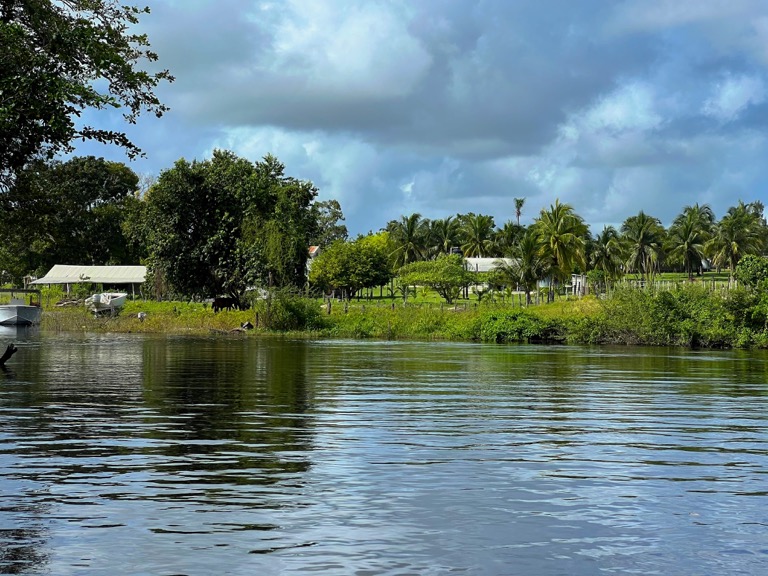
pixel 422 316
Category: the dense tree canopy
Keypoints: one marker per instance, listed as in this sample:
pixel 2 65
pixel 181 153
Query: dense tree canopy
pixel 410 239
pixel 66 213
pixel 446 275
pixel 59 58
pixel 752 271
pixel 741 231
pixel 225 224
pixel 330 227
pixel 351 266
pixel 643 239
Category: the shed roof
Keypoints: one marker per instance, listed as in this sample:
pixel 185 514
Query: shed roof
pixel 66 274
pixel 484 264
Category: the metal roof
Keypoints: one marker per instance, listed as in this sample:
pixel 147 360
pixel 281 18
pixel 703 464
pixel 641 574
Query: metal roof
pixel 484 264
pixel 65 274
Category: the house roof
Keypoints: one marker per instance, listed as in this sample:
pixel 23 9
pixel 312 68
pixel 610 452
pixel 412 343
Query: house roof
pixel 484 264
pixel 66 274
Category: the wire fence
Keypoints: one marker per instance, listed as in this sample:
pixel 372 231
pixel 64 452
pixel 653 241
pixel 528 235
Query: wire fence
pixel 473 298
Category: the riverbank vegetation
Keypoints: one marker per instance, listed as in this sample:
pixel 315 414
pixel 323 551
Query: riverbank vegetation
pixel 231 227
pixel 689 314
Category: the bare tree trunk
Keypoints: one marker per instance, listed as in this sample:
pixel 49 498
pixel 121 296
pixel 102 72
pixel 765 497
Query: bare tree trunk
pixel 9 351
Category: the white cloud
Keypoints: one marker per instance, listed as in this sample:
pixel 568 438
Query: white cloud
pixel 732 96
pixel 631 107
pixel 352 48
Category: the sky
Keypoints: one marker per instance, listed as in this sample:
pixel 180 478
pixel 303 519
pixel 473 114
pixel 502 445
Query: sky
pixel 442 107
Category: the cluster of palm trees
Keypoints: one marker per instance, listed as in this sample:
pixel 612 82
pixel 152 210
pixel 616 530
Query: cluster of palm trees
pixel 645 247
pixel 559 242
pixel 476 235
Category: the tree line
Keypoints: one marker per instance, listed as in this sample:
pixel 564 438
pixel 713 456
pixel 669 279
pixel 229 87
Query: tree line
pixel 203 228
pixel 558 243
pixel 225 225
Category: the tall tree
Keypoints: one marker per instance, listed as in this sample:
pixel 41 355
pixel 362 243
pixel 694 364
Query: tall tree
pixel 477 231
pixel 223 224
pixel 688 234
pixel 282 232
pixel 59 58
pixel 527 264
pixel 519 203
pixel 67 212
pixel 409 236
pixel 643 236
pixel 330 227
pixel 739 232
pixel 606 253
pixel 444 234
pixel 562 235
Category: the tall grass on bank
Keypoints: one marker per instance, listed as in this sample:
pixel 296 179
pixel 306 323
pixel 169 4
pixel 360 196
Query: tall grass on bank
pixel 689 315
pixel 157 317
pixel 403 322
pixel 686 315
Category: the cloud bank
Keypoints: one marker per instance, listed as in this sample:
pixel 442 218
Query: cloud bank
pixel 447 106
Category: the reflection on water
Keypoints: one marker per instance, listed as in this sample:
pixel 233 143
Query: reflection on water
pixel 144 455
pixel 16 333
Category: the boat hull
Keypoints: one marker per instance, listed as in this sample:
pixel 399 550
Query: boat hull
pixel 106 301
pixel 19 315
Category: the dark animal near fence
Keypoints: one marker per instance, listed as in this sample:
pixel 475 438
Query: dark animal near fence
pixel 222 303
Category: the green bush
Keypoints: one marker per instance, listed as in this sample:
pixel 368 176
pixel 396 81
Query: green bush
pixel 752 270
pixel 520 326
pixel 285 311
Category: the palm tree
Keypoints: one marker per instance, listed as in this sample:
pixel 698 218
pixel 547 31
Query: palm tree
pixel 444 234
pixel 607 253
pixel 561 235
pixel 409 236
pixel 519 202
pixel 702 214
pixel 527 265
pixel 688 234
pixel 477 233
pixel 507 236
pixel 643 236
pixel 739 232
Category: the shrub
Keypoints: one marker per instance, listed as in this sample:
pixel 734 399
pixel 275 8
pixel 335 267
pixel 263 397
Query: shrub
pixel 519 326
pixel 283 310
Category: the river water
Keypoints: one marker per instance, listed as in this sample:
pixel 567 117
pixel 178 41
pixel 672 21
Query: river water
pixel 127 454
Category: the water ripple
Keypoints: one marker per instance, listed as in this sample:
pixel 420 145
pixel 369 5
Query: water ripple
pixel 182 456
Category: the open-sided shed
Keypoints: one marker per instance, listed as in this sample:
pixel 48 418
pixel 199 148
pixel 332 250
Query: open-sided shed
pixel 133 276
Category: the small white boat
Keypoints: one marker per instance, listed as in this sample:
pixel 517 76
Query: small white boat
pixel 105 301
pixel 20 311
